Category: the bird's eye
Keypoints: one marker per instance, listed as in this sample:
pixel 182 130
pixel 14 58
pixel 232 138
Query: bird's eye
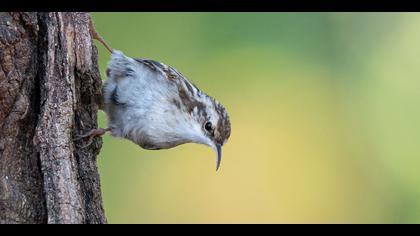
pixel 208 126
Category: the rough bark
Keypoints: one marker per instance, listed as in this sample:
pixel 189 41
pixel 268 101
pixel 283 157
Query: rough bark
pixel 49 88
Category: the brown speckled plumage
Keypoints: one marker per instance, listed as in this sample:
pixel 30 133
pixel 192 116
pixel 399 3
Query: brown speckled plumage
pixel 156 107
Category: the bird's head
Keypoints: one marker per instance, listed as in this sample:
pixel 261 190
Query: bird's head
pixel 215 127
pixel 208 120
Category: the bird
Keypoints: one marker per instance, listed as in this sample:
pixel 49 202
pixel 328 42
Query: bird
pixel 156 107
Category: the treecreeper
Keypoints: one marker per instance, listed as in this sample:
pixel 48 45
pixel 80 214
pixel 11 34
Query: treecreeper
pixel 156 107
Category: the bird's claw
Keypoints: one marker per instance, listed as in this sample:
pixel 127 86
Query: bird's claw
pixel 91 135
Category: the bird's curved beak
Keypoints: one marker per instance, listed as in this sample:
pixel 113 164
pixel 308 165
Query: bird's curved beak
pixel 219 155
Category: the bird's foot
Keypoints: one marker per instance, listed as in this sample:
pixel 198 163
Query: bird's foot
pixel 91 135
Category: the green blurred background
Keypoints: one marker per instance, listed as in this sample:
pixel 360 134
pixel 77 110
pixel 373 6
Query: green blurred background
pixel 325 119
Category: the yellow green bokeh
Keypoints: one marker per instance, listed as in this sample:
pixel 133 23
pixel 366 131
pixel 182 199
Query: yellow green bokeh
pixel 325 112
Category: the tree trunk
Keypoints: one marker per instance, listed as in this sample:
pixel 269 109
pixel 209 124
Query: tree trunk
pixel 49 90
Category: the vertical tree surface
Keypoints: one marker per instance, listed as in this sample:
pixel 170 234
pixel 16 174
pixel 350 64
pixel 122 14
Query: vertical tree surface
pixel 49 90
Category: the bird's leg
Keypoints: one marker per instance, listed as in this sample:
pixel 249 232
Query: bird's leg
pixel 96 36
pixel 91 135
